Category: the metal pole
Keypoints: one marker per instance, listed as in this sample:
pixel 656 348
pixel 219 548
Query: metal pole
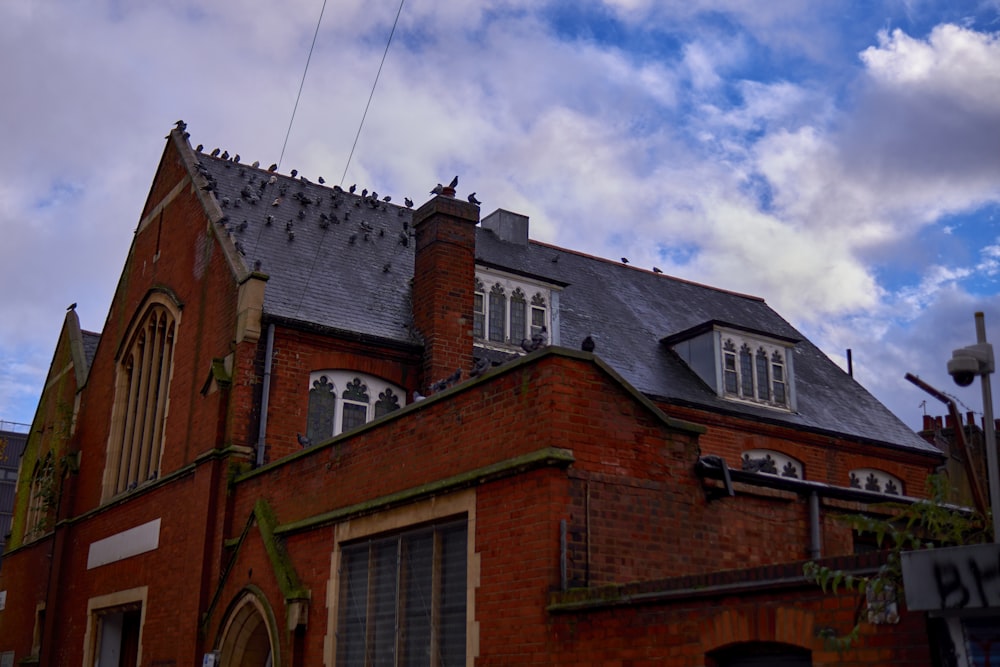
pixel 989 431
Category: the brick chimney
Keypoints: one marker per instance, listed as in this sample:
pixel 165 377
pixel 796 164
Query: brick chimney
pixel 444 274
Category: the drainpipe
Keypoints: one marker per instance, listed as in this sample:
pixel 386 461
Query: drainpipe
pixel 815 534
pixel 265 393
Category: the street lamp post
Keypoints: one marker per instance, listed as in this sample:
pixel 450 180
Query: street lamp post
pixel 967 363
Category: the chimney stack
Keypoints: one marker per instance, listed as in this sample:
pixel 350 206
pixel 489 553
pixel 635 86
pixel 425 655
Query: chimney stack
pixel 444 273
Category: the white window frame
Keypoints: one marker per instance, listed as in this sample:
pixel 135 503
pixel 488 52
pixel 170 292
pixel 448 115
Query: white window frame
pixel 741 341
pixel 340 379
pixel 532 291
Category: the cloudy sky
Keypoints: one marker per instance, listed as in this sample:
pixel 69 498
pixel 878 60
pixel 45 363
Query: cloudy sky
pixel 839 159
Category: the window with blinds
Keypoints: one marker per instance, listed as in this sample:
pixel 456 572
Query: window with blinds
pixel 403 598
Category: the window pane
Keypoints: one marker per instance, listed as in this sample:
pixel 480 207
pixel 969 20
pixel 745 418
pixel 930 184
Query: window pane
pixel 518 314
pixel 763 392
pixel 537 319
pixel 387 402
pixel 498 313
pixel 746 373
pixel 354 416
pixel 383 603
pixel 418 600
pixel 453 578
pixel 322 402
pixel 479 316
pixel 730 373
pixel 353 626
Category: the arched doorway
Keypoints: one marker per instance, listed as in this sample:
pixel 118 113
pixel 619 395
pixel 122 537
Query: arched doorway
pixel 760 654
pixel 248 634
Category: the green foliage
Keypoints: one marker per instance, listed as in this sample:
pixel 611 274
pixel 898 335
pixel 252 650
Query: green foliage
pixel 898 527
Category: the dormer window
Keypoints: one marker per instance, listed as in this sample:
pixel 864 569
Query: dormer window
pixel 739 365
pixel 754 374
pixel 508 309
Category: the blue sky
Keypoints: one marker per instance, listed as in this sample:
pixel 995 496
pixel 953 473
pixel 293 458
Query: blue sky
pixel 841 160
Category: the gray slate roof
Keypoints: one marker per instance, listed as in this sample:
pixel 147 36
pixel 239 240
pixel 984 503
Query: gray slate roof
pixel 352 273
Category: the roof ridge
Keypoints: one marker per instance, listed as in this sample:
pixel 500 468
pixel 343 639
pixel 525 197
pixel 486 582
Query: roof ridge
pixel 694 283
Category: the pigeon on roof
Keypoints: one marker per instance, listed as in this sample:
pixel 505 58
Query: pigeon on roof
pixel 181 125
pixel 454 183
pixel 293 173
pixel 273 167
pixel 200 147
pixel 215 152
pixel 657 269
pixel 408 202
pixel 482 365
pixel 624 260
pixel 438 189
pixel 321 180
pixel 72 306
pixel 256 164
pixel 354 186
pixel 588 344
pixel 225 155
pixel 473 200
pixel 303 440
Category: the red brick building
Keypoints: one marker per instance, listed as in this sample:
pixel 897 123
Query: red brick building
pixel 321 428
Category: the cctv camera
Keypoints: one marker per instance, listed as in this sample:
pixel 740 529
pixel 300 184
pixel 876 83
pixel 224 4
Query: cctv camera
pixel 968 362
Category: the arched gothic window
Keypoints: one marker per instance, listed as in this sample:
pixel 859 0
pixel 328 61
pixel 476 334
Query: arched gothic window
pixel 340 401
pixel 141 393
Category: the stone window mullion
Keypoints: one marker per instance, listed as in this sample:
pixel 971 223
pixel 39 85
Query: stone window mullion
pixel 152 389
pixel 153 459
pixel 121 480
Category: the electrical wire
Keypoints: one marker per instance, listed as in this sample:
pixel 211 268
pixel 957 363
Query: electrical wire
pixel 302 83
pixel 372 93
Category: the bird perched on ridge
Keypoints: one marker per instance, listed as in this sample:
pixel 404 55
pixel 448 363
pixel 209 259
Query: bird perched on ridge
pixel 225 155
pixel 408 202
pixel 354 186
pixel 454 183
pixel 624 260
pixel 72 306
pixel 303 440
pixel 256 164
pixel 181 125
pixel 473 200
pixel 482 365
pixel 200 147
pixel 438 189
pixel 588 344
pixel 273 168
pixel 321 180
pixel 657 269
pixel 539 339
pixel 215 152
pixel 293 173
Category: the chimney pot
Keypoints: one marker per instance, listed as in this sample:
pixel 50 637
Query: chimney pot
pixel 928 423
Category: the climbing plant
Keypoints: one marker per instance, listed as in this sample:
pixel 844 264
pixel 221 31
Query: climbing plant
pixel 899 527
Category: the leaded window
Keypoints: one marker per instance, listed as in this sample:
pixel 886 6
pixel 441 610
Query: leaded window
pixel 763 389
pixel 518 312
pixel 537 314
pixel 479 311
pixel 403 598
pixel 498 313
pixel 355 410
pixel 342 400
pixel 778 377
pixel 729 366
pixel 758 376
pixel 746 373
pixel 322 409
pixel 504 315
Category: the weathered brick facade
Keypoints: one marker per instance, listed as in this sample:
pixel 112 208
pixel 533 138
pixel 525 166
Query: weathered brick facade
pixel 592 537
